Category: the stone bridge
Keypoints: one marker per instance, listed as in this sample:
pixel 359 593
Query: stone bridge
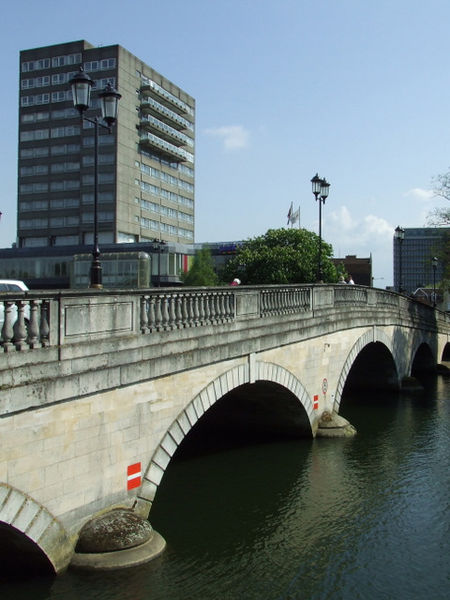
pixel 99 389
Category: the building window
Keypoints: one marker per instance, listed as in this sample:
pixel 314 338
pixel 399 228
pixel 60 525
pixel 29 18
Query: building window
pixel 58 203
pixel 36 65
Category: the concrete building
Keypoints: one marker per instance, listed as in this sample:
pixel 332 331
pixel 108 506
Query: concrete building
pixel 146 162
pixel 413 267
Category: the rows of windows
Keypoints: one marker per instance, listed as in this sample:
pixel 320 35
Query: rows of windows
pixel 43 151
pixel 157 174
pixel 164 210
pixel 167 146
pixel 103 197
pixel 66 202
pixel 164 227
pixel 65 220
pixel 37 117
pixel 62 95
pixel 54 132
pixel 46 80
pixel 64 184
pixel 165 194
pixel 100 65
pixel 56 61
pixel 103 159
pixel 34 170
pixel 35 82
pixel 176 166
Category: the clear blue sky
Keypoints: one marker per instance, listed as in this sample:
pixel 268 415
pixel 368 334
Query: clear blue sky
pixel 357 91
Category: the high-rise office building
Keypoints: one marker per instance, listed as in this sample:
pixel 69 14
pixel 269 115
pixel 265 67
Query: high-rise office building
pixel 146 162
pixel 413 266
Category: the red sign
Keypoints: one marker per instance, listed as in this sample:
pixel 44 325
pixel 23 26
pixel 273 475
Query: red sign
pixel 134 474
pixel 316 402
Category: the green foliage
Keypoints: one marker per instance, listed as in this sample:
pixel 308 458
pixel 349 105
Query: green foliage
pixel 202 271
pixel 280 256
pixel 341 271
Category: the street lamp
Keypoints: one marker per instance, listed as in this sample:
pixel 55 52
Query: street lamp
pixel 320 189
pixel 399 235
pixel 160 245
pixel 81 85
pixel 434 263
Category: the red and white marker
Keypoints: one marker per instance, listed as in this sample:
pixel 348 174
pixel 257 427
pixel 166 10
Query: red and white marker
pixel 134 476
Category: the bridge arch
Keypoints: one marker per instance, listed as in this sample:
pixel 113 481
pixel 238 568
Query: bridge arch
pixel 251 372
pixel 422 356
pixel 21 515
pixel 446 352
pixel 375 335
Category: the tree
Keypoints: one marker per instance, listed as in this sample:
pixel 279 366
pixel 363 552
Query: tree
pixel 440 216
pixel 202 270
pixel 280 256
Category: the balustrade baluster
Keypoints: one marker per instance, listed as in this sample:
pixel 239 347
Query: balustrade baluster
pixel 196 311
pixel 201 308
pixel 172 314
pixel 151 313
pixel 33 326
pixel 208 308
pixel 221 308
pixel 44 325
pixel 165 311
pixel 213 308
pixel 144 314
pixel 7 329
pixel 230 307
pixel 20 328
pixel 262 308
pixel 158 313
pixel 179 312
pixel 190 310
pixel 273 302
pixel 185 310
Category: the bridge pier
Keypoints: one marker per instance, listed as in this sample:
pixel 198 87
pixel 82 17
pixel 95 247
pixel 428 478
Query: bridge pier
pixel 116 539
pixel 332 425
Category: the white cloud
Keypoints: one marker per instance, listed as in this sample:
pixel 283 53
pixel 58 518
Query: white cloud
pixel 364 236
pixel 233 136
pixel 420 194
pixel 352 231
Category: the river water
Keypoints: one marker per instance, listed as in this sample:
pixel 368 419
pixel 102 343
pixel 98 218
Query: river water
pixel 362 518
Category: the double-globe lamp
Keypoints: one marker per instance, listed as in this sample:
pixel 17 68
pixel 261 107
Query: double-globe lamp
pixel 320 189
pixel 399 235
pixel 82 85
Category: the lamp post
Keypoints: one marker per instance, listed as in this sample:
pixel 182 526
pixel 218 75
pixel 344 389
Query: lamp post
pixel 434 263
pixel 399 235
pixel 320 189
pixel 81 85
pixel 160 244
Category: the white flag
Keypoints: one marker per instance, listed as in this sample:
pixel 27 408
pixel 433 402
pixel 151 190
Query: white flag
pixel 295 216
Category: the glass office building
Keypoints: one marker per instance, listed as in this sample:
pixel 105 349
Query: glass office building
pixel 413 257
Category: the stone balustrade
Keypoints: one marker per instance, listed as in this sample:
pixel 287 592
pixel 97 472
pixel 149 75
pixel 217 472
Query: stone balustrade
pixel 42 319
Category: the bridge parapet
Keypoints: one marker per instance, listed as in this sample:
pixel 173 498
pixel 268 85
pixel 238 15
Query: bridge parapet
pixel 35 320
